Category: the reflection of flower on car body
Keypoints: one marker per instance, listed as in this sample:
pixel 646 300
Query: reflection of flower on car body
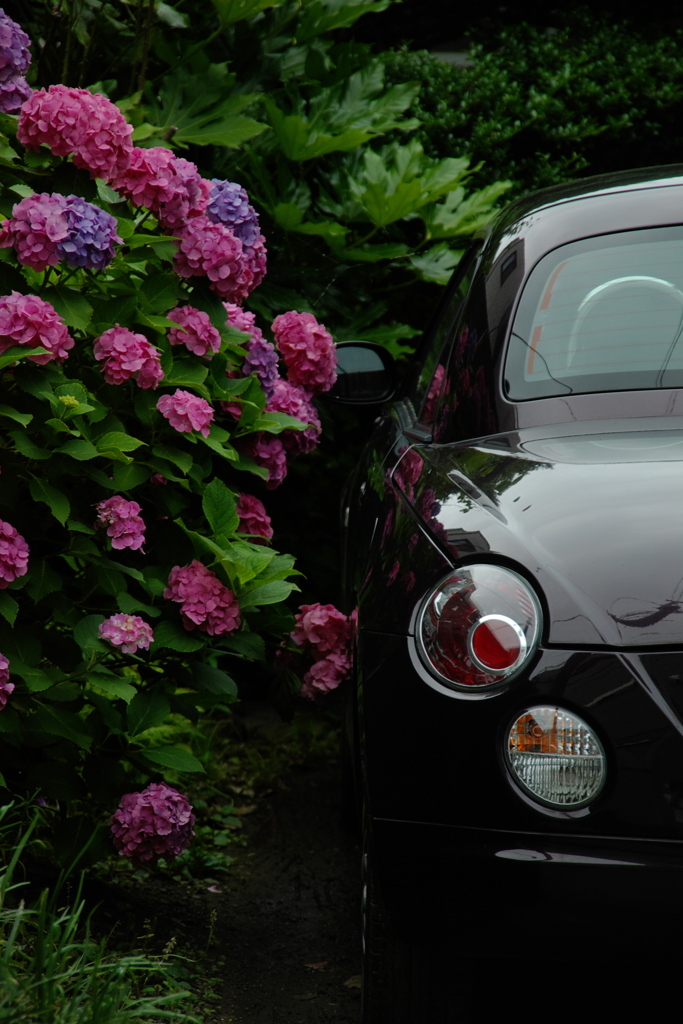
pixel 324 633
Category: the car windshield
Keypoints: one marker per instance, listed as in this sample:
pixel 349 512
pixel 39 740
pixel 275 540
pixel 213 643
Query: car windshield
pixel 602 314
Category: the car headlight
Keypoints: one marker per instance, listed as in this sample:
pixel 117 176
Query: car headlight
pixel 479 626
pixel 555 757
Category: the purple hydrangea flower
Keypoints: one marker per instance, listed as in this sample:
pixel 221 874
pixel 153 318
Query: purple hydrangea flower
pixel 13 93
pixel 158 822
pixel 91 235
pixel 229 204
pixel 261 358
pixel 125 525
pixel 14 61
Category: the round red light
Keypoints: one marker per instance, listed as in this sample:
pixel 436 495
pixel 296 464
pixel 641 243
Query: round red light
pixel 496 643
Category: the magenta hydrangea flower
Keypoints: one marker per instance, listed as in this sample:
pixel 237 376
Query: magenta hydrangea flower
pixel 45 229
pixel 194 330
pixel 14 62
pixel 242 319
pixel 204 601
pixel 127 356
pixel 125 525
pixel 321 627
pixel 6 688
pixel 212 250
pixel 13 554
pixel 28 320
pixel 253 518
pixel 158 822
pixel 308 350
pixel 77 122
pixel 268 452
pixel 229 204
pixel 168 185
pixel 326 674
pixel 186 412
pixel 255 256
pixel 129 632
pixel 37 225
pixel 293 400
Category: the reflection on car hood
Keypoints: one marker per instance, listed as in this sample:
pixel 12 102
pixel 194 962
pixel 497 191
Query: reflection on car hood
pixel 595 519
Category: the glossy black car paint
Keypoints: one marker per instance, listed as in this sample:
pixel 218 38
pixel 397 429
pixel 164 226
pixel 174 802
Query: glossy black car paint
pixel 583 496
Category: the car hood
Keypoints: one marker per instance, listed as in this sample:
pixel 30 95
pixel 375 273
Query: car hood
pixel 595 519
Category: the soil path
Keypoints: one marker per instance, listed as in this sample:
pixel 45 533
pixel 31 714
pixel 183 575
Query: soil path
pixel 288 920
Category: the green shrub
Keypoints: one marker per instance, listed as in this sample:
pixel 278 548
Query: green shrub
pixel 543 106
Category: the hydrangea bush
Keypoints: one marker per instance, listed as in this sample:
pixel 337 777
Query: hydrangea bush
pixel 143 411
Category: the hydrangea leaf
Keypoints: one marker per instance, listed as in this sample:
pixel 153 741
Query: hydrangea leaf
pixel 8 606
pixel 146 710
pixel 56 501
pixel 59 722
pixel 269 593
pixel 14 414
pixel 176 638
pixel 79 450
pixel 248 645
pixel 212 679
pixel 218 504
pixel 116 439
pixel 113 686
pixel 74 308
pixel 87 634
pixel 173 757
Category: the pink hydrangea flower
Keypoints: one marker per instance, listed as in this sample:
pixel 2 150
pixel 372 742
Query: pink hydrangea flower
pixel 126 356
pixel 28 320
pixel 171 187
pixel 37 224
pixel 13 554
pixel 253 518
pixel 75 121
pixel 320 626
pixel 211 250
pixel 308 350
pixel 194 330
pixel 129 632
pixel 6 688
pixel 255 257
pixel 326 674
pixel 242 319
pixel 186 412
pixel 204 601
pixel 293 400
pixel 158 822
pixel 269 452
pixel 125 525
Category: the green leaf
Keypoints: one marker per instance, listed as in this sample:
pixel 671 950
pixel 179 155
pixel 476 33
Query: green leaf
pixel 82 451
pixel 161 291
pixel 248 645
pixel 179 458
pixel 375 253
pixel 56 501
pixel 218 504
pixel 74 309
pixel 230 11
pixel 176 638
pixel 66 724
pixel 206 677
pixel 117 440
pixel 8 606
pixel 147 709
pixel 269 593
pixel 113 686
pixel 228 131
pixel 325 15
pixel 20 352
pixel 87 634
pixel 13 414
pixel 436 263
pixel 173 757
pixel 276 422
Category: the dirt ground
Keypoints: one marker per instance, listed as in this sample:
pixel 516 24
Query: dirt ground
pixel 279 943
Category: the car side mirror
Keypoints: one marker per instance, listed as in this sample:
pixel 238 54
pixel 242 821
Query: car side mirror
pixel 366 374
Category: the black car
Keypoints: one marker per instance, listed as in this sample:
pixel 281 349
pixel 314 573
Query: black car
pixel 514 546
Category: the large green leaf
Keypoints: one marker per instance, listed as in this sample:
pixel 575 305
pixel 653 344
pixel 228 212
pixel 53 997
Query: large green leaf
pixel 146 709
pixel 74 308
pixel 66 724
pixel 218 504
pixel 230 11
pixel 176 638
pixel 173 757
pixel 325 15
pixel 56 501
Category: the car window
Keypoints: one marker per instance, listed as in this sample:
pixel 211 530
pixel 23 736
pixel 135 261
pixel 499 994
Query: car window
pixel 602 314
pixel 428 382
